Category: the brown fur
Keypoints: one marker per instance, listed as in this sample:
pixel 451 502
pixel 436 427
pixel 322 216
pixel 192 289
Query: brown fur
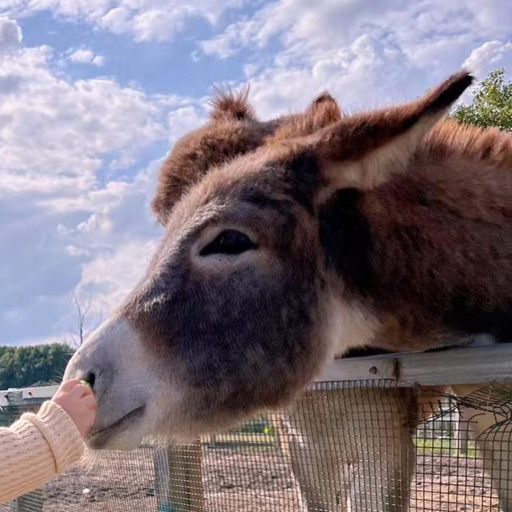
pixel 232 105
pixel 192 157
pixel 322 112
pixel 429 173
pixel 435 232
pixel 362 230
pixel 366 230
pixel 336 439
pixel 388 285
pixel 449 145
pixel 441 203
pixel 227 135
pixel 453 140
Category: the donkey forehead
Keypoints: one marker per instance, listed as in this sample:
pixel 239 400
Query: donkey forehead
pixel 267 183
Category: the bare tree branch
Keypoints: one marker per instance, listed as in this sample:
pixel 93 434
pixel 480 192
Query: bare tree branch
pixel 82 309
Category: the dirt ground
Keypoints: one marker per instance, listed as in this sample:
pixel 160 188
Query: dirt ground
pixel 248 482
pixel 244 482
pixel 451 484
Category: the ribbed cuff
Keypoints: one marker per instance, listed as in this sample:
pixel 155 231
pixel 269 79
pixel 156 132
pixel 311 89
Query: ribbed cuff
pixel 60 432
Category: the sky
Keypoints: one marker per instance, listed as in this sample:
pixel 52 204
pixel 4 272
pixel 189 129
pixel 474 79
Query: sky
pixel 93 93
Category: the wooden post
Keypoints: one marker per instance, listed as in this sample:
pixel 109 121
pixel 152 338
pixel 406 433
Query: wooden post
pixel 179 486
pixel 471 365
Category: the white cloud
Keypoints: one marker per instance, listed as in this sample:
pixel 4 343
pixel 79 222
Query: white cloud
pixel 228 43
pixel 118 237
pixel 86 56
pixel 299 25
pixel 109 277
pixel 144 20
pixel 366 53
pixel 56 133
pixel 10 35
pixel 360 75
pixel 304 29
pixel 251 69
pixel 65 215
pixel 152 24
pixel 490 56
pixel 94 244
pixel 185 119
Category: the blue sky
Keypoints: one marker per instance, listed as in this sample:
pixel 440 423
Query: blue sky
pixel 94 92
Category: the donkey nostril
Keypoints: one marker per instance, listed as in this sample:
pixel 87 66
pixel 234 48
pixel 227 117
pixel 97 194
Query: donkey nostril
pixel 90 378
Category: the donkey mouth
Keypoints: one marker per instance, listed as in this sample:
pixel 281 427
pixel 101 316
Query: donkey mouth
pixel 98 439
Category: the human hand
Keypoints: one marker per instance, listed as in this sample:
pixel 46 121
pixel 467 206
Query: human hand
pixel 79 402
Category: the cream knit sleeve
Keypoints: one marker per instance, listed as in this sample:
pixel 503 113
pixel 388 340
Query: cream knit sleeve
pixel 35 449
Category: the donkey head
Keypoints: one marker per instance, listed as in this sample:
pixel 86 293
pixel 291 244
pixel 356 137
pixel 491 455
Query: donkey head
pixel 247 295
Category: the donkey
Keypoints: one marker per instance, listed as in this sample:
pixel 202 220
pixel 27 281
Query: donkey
pixel 352 449
pixel 299 247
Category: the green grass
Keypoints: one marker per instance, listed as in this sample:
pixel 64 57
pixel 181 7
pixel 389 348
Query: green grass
pixel 241 439
pixel 442 447
pixel 423 446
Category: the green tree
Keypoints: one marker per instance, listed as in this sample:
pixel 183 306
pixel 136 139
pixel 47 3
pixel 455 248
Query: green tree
pixel 28 366
pixel 492 104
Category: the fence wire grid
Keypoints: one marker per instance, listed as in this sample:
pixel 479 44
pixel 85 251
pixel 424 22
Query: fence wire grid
pixel 344 447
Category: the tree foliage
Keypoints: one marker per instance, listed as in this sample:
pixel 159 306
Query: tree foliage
pixel 492 104
pixel 28 366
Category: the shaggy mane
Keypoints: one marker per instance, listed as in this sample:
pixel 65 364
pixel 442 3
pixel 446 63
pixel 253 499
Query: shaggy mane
pixel 451 138
pixel 229 103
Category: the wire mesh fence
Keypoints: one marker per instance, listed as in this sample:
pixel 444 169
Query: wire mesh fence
pixel 343 446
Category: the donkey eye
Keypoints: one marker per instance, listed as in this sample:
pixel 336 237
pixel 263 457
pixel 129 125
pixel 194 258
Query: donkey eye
pixel 229 241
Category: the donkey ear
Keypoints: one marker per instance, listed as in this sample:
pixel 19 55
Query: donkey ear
pixel 231 105
pixel 366 150
pixel 322 112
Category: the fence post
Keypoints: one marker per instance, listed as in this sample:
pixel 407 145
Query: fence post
pixel 179 486
pixel 30 502
pixel 460 433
